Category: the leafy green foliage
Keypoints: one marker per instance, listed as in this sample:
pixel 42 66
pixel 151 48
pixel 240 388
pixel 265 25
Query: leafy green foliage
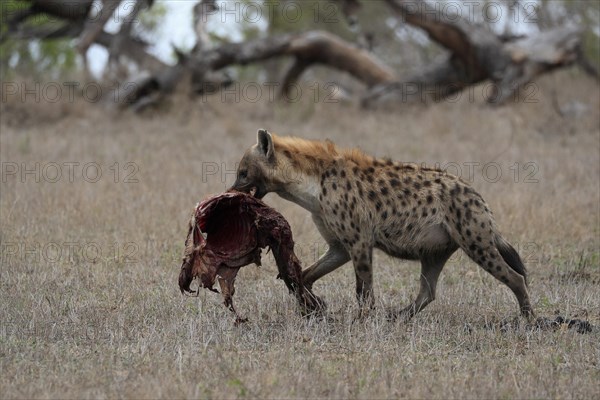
pixel 34 57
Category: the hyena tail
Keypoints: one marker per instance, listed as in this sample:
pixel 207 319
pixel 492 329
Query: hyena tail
pixel 510 256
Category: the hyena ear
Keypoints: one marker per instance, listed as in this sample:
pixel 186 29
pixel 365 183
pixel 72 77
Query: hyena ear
pixel 265 143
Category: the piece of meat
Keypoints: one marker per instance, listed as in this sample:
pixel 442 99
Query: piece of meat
pixel 227 232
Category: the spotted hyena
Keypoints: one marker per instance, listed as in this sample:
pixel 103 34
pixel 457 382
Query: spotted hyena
pixel 359 203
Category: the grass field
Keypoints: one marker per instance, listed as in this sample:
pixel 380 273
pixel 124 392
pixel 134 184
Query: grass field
pixel 90 258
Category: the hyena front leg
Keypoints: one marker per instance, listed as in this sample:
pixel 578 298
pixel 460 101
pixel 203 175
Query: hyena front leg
pixel 334 257
pixel 431 267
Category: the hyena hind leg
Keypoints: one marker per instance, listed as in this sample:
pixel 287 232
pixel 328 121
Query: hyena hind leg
pixel 362 258
pixel 431 267
pixel 502 261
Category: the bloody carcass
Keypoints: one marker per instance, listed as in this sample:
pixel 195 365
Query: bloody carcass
pixel 227 232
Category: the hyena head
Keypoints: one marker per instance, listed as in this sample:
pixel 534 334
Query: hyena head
pixel 258 169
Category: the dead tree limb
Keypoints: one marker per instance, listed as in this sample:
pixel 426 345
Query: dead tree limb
pixel 308 48
pixel 135 50
pixel 202 11
pixel 94 26
pixel 313 47
pixel 120 45
pixel 77 23
pixel 477 55
pixel 293 74
pixel 73 12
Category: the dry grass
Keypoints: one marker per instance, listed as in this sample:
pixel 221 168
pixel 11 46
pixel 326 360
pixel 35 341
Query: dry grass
pixel 91 306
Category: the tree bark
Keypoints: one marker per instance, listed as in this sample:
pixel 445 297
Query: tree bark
pixel 94 26
pixel 477 54
pixel 313 47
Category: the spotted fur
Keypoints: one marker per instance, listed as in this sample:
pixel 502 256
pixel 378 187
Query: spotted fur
pixel 360 203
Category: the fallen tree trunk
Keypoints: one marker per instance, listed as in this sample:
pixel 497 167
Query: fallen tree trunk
pixel 313 47
pixel 203 65
pixel 309 48
pixel 477 55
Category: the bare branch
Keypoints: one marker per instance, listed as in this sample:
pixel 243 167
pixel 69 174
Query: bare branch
pixel 201 12
pixel 313 47
pixel 94 26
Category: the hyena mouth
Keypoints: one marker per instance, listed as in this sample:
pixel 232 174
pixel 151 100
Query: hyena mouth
pixel 253 191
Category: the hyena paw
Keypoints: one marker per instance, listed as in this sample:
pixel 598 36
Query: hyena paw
pixel 404 315
pixel 312 305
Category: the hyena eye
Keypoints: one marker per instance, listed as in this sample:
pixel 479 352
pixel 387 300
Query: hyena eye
pixel 243 174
